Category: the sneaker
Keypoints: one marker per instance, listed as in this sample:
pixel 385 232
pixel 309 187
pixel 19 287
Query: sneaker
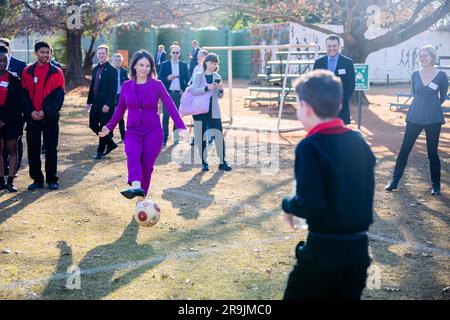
pixel 225 167
pixel 53 186
pixel 35 185
pixel 205 167
pixel 131 193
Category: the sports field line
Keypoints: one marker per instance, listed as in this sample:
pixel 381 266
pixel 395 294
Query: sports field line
pixel 150 262
pixel 268 213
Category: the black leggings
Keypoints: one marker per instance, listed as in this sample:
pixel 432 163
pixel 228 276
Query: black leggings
pixel 432 132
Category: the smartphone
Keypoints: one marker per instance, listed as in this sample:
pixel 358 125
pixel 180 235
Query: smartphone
pixel 217 81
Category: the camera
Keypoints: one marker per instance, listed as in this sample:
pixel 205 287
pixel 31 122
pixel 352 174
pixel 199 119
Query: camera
pixel 217 81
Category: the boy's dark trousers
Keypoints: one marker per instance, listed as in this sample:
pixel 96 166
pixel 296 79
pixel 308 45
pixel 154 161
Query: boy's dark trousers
pixel 49 129
pixel 329 269
pixel 97 120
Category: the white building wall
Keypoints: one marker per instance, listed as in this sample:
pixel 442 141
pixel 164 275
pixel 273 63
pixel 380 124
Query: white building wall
pixel 398 61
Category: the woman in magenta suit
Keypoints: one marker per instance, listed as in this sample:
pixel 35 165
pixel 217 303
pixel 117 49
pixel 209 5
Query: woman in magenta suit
pixel 144 133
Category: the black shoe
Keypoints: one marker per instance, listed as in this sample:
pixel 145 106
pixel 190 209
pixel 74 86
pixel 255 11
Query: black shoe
pixel 391 186
pixel 225 167
pixel 35 185
pixel 131 193
pixel 11 188
pixel 436 190
pixel 53 186
pixel 99 156
pixel 110 148
pixel 192 142
pixel 3 186
pixel 205 167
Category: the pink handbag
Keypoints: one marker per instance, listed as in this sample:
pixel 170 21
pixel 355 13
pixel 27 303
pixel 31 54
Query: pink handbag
pixel 193 105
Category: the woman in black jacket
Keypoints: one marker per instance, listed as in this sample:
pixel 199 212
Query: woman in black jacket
pixel 11 108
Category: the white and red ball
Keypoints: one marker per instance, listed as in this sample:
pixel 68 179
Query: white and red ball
pixel 147 213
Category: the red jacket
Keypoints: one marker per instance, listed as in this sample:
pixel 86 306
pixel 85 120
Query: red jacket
pixel 53 90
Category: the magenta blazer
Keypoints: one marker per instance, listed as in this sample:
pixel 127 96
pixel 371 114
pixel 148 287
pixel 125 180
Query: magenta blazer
pixel 143 111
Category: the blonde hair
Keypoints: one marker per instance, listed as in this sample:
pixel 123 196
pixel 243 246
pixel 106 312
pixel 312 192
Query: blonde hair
pixel 431 51
pixel 103 46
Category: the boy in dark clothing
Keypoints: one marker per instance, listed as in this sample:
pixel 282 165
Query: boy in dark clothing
pixel 44 84
pixel 334 171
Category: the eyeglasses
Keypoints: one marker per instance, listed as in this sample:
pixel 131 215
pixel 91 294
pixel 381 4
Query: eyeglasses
pixel 175 52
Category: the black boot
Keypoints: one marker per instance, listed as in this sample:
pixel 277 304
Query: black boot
pixel 9 185
pixel 392 185
pixel 2 183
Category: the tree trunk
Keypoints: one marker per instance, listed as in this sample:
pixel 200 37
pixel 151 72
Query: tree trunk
pixel 88 56
pixel 74 72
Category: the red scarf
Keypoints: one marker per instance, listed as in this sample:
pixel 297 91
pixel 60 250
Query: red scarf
pixel 334 126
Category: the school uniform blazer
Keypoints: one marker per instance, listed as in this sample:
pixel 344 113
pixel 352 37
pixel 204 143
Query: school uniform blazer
pixel 16 66
pixel 107 89
pixel 166 70
pixel 16 99
pixel 143 110
pixel 347 76
pixel 198 88
pixel 54 94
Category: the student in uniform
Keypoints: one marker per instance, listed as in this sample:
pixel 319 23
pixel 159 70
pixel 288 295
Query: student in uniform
pixel 429 89
pixel 44 84
pixel 334 172
pixel 16 67
pixel 11 122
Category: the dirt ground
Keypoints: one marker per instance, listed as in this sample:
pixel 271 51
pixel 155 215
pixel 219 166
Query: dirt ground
pixel 221 235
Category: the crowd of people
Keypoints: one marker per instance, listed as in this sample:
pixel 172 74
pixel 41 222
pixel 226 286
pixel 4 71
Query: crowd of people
pixel 337 205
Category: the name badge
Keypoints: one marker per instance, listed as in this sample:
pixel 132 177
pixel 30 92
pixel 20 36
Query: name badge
pixel 35 79
pixel 4 84
pixel 341 71
pixel 433 85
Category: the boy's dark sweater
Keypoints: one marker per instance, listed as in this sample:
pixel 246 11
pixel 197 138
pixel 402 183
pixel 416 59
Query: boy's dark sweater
pixel 335 183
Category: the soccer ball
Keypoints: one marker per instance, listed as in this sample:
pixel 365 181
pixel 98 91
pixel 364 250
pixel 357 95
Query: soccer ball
pixel 147 213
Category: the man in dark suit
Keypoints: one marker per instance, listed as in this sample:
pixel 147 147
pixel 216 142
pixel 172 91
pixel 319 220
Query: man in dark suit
pixel 160 57
pixel 193 57
pixel 122 76
pixel 342 67
pixel 16 67
pixel 101 100
pixel 175 76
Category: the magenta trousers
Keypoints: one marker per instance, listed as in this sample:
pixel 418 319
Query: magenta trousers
pixel 142 146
